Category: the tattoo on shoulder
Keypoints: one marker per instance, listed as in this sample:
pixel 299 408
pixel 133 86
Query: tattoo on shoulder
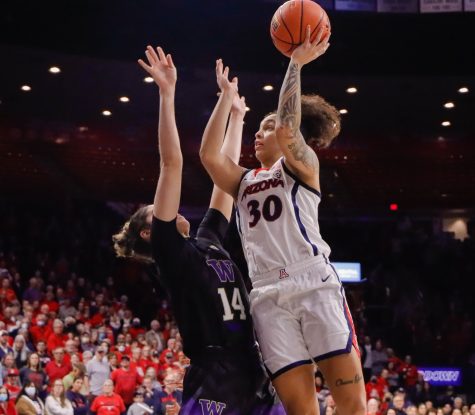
pixel 353 381
pixel 303 153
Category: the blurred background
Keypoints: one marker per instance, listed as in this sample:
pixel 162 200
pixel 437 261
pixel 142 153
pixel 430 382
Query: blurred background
pixel 78 154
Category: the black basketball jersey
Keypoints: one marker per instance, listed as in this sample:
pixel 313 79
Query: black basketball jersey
pixel 206 289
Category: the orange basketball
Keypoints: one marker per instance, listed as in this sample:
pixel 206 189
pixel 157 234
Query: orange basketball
pixel 289 23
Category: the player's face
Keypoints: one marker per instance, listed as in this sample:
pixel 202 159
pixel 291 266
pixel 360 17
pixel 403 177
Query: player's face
pixel 265 145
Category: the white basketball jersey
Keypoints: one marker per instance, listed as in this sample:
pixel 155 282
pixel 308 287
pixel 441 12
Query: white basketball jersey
pixel 277 218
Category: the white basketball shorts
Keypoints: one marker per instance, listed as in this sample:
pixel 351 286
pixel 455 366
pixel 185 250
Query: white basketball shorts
pixel 301 315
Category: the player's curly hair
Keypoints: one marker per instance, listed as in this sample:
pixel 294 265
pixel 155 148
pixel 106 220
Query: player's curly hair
pixel 321 121
pixel 128 243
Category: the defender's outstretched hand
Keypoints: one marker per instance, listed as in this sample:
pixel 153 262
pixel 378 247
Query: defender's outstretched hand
pixel 239 106
pixel 225 85
pixel 160 68
pixel 309 51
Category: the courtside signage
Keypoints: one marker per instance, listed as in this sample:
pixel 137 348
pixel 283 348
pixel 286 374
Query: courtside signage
pixel 442 376
pixel 348 271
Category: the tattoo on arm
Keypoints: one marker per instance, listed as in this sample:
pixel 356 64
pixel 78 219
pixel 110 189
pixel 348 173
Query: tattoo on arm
pixel 355 380
pixel 303 153
pixel 289 110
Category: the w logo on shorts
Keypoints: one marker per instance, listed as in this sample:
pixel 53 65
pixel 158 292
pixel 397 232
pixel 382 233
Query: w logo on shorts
pixel 283 274
pixel 211 407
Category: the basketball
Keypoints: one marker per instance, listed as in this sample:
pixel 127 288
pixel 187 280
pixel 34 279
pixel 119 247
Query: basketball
pixel 289 23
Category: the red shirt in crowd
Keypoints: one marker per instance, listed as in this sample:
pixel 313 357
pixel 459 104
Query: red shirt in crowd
pixel 108 405
pixel 13 391
pixel 410 374
pixel 10 408
pixel 38 333
pixel 374 390
pixel 125 382
pixel 135 331
pixel 55 371
pixel 8 294
pixel 53 305
pixel 56 340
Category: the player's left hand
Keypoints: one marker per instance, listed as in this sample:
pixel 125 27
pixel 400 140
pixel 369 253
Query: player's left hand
pixel 309 51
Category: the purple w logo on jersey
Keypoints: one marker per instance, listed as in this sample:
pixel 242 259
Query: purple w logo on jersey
pixel 211 407
pixel 222 267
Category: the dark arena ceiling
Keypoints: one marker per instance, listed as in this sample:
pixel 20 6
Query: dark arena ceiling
pixel 393 148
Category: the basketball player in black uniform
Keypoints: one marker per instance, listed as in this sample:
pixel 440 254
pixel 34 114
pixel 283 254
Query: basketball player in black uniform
pixel 207 292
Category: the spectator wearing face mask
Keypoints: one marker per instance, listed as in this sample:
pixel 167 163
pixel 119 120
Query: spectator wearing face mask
pixel 28 402
pixel 7 405
pixel 40 331
pixel 33 372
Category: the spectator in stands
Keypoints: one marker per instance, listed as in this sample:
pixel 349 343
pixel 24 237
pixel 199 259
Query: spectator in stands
pixel 7 364
pixel 125 380
pixel 78 372
pixel 409 372
pixel 98 371
pixel 113 361
pixel 78 400
pixel 42 353
pixel 151 374
pixel 33 372
pixel 7 405
pixel 57 368
pixel 57 403
pixel 411 410
pixel 150 393
pixel 86 344
pixel 373 407
pixel 139 407
pixel 20 351
pixel 169 396
pixel 87 357
pixel 57 338
pixel 13 383
pixel 398 404
pixel 28 401
pixel 374 389
pixel 422 409
pixel 379 358
pixel 108 402
pixel 393 377
pixel 155 335
pixel 4 345
pixel 458 402
pixel 33 292
pixel 391 411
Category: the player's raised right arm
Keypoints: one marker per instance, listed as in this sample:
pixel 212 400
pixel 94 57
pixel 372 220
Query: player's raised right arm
pixel 167 195
pixel 225 173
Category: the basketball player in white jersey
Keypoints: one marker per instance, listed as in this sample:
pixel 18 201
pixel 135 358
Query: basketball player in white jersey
pixel 297 301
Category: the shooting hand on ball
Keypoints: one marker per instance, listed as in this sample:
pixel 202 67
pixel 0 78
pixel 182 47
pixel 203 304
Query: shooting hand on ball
pixel 309 51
